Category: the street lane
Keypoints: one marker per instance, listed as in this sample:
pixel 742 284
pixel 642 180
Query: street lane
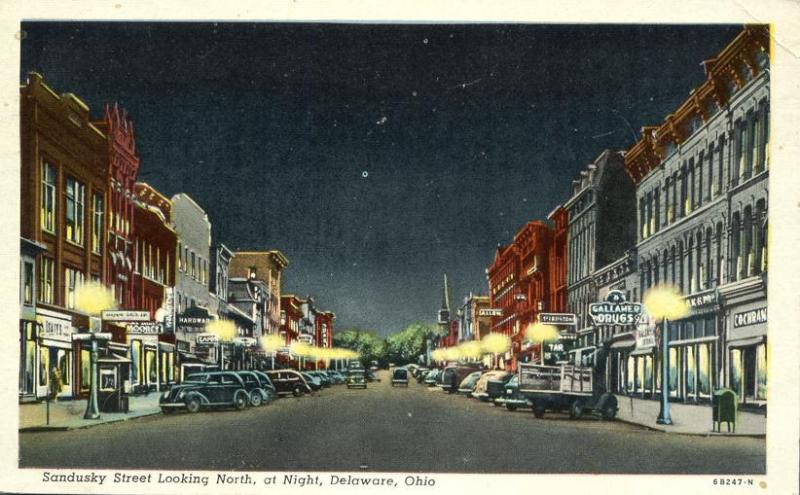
pixel 388 429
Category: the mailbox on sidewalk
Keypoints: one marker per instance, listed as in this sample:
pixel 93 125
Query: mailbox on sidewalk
pixel 723 405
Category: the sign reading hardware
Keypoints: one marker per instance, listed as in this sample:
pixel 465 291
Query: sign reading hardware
pixel 747 318
pixel 615 310
pixel 558 318
pixel 126 315
pixel 207 339
pixel 147 328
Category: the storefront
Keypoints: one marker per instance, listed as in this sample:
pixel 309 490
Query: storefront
pixel 48 350
pixel 746 350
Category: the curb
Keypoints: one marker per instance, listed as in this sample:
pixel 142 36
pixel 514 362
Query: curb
pixel 691 433
pixel 40 428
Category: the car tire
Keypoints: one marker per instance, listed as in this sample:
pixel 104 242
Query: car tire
pixel 193 404
pixel 297 392
pixel 538 410
pixel 240 401
pixel 255 398
pixel 511 407
pixel 576 409
pixel 609 411
pixel 167 410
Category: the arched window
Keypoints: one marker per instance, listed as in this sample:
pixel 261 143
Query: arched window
pixel 720 264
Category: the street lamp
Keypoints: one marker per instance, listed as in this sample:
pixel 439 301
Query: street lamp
pixel 665 303
pixel 495 343
pixel 271 343
pixel 93 298
pixel 540 332
pixel 225 330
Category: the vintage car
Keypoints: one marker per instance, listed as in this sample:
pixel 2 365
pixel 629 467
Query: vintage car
pixel 323 376
pixel 467 385
pixel 260 389
pixel 491 385
pixel 205 390
pixel 336 377
pixel 431 377
pixel 313 380
pixel 400 377
pixel 451 377
pixel 512 398
pixel 356 379
pixel 289 382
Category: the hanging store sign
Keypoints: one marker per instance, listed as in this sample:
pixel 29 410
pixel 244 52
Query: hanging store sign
pixel 207 339
pixel 747 318
pixel 56 328
pixel 245 341
pixel 558 318
pixel 169 309
pixel 126 315
pixel 490 312
pixel 146 328
pixel 645 336
pixel 615 310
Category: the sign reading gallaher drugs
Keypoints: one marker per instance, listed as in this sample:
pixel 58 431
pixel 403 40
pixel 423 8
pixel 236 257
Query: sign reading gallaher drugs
pixel 615 310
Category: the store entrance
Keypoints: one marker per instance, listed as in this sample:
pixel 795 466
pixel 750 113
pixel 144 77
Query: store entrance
pixel 749 356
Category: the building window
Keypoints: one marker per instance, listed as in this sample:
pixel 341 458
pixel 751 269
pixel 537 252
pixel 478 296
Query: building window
pixel 194 266
pixel 48 208
pixel 741 150
pixel 711 194
pixel 736 255
pixel 74 214
pixel 180 257
pixel 46 276
pixel 97 224
pixel 748 254
pixel 27 282
pixel 72 279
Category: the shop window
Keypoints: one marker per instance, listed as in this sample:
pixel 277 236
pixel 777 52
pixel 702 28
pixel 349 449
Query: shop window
pixel 44 368
pixel 27 282
pixel 735 372
pixel 703 370
pixel 691 372
pixel 639 377
pixel 136 365
pixel 673 372
pixel 48 207
pixel 85 369
pixel 631 368
pixel 72 279
pixel 64 366
pixel 152 362
pixel 29 358
pixel 74 213
pixel 648 374
pixel 761 372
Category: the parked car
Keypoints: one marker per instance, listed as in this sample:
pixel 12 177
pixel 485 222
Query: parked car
pixel 451 377
pixel 420 371
pixel 313 380
pixel 258 390
pixel 205 390
pixel 370 376
pixel 467 385
pixel 500 378
pixel 336 377
pixel 356 379
pixel 323 375
pixel 289 382
pixel 267 382
pixel 400 377
pixel 512 398
pixel 431 377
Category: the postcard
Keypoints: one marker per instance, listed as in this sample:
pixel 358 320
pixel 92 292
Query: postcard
pixel 348 249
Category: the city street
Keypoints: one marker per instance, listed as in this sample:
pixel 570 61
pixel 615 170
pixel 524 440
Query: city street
pixel 388 429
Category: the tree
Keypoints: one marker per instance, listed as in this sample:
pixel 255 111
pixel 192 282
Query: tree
pixel 407 345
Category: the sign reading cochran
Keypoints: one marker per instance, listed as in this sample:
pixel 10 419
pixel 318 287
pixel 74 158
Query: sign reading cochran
pixel 750 317
pixel 615 310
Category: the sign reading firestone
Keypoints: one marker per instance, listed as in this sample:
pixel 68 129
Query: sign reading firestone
pixel 615 310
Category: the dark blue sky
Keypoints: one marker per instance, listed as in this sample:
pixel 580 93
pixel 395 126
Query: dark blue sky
pixel 376 157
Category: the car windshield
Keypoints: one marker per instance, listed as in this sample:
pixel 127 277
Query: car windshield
pixel 196 378
pixel 514 382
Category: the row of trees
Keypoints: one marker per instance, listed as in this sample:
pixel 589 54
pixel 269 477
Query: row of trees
pixel 403 347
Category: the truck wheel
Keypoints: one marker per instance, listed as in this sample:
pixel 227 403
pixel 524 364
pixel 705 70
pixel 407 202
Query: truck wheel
pixel 609 411
pixel 511 407
pixel 576 409
pixel 538 410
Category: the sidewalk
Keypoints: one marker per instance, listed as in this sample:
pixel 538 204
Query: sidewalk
pixel 687 419
pixel 68 415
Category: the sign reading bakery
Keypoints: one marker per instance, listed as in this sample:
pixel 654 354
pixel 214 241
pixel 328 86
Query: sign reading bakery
pixel 752 317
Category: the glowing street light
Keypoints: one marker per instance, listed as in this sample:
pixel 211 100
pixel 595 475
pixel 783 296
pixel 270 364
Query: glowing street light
pixel 93 298
pixel 540 332
pixel 665 303
pixel 495 343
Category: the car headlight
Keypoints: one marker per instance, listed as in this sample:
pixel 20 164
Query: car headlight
pixel 181 394
pixel 165 395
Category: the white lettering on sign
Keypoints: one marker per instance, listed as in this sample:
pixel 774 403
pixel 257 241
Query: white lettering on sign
pixel 645 336
pixel 490 312
pixel 702 300
pixel 126 315
pixel 558 318
pixel 147 328
pixel 53 328
pixel 615 310
pixel 206 339
pixel 753 317
pixel 169 308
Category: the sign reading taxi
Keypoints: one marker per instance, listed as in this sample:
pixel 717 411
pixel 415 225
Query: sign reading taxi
pixel 615 310
pixel 126 315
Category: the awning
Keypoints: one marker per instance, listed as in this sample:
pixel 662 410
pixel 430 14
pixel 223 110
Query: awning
pixel 188 357
pixel 747 342
pixel 623 345
pixel 643 351
pixel 113 359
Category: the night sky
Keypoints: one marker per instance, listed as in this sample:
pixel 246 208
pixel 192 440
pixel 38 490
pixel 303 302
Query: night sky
pixel 376 157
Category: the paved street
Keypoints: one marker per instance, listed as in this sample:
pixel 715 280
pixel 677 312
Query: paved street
pixel 388 429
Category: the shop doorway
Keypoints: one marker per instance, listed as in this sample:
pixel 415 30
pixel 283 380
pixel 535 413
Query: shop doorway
pixel 749 357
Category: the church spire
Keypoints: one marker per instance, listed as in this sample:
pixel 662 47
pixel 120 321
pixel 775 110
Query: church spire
pixel 444 311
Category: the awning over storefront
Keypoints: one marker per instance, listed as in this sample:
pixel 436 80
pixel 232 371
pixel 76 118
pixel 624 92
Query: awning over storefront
pixel 166 347
pixel 623 345
pixel 643 351
pixel 113 359
pixel 747 342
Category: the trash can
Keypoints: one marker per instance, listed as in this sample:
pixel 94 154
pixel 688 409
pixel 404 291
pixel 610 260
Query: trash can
pixel 723 405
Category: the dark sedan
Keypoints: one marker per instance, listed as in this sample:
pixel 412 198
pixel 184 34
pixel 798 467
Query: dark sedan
pixel 205 390
pixel 260 389
pixel 289 382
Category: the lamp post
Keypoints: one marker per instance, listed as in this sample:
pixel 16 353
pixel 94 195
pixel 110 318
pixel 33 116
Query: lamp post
pixel 540 332
pixel 664 303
